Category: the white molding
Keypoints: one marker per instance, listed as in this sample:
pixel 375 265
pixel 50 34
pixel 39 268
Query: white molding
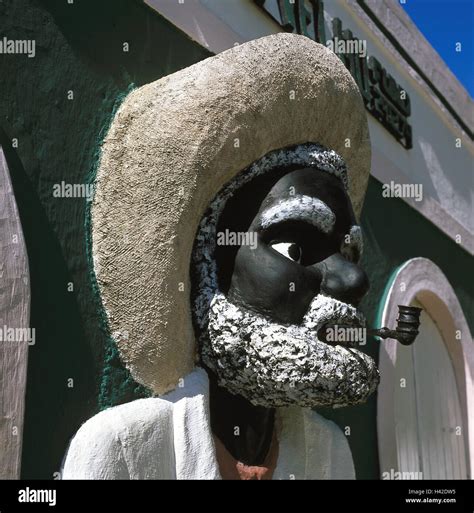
pixel 425 282
pixel 218 27
pixel 385 171
pixel 215 24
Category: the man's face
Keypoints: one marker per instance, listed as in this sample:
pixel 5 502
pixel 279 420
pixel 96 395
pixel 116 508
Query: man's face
pixel 265 335
pixel 301 228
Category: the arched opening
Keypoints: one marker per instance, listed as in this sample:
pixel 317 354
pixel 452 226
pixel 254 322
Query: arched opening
pixel 425 398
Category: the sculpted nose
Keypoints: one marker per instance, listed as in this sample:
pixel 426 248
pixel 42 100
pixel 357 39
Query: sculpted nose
pixel 342 280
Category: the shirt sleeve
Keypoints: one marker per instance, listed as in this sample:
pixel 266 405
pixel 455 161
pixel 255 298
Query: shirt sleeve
pixel 95 452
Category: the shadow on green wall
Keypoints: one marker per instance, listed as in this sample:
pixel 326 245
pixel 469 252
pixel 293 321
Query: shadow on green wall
pixel 79 49
pixel 394 233
pixel 55 390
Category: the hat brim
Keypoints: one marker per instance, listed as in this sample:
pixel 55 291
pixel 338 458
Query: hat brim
pixel 172 146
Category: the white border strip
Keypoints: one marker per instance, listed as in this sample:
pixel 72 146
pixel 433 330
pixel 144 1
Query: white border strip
pixel 15 309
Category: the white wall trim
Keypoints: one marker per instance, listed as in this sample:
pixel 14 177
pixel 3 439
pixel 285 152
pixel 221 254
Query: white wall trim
pixel 14 313
pixel 214 24
pixel 385 171
pixel 218 27
pixel 424 281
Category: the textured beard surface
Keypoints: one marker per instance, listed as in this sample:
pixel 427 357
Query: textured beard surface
pixel 275 365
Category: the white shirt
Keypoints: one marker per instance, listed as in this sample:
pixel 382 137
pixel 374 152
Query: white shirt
pixel 170 437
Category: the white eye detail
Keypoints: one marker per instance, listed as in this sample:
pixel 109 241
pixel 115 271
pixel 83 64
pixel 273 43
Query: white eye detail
pixel 289 250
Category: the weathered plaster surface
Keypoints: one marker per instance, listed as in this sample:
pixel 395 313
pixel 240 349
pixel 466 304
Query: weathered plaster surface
pixel 170 438
pixel 175 143
pixel 14 313
pixel 267 363
pixel 156 438
pixel 53 149
pixel 302 207
pixel 203 257
pixel 275 365
pixel 59 139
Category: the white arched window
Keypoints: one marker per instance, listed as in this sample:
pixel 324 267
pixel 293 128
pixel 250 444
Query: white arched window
pixel 425 403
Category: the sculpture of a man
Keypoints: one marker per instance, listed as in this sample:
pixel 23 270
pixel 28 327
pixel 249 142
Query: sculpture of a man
pixel 225 241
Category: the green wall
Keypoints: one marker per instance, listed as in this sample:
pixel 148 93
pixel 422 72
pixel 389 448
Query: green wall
pixel 79 48
pixel 393 234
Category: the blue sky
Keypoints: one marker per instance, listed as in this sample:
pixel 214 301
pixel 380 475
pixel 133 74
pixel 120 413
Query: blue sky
pixel 444 23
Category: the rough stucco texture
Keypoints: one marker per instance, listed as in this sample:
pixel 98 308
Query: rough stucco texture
pixel 170 149
pixel 79 48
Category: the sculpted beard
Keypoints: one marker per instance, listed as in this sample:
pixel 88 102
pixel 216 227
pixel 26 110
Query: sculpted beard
pixel 276 365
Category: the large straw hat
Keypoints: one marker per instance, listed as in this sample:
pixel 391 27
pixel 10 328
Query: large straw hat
pixel 171 147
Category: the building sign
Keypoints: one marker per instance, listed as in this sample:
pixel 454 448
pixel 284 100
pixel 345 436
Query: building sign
pixel 384 98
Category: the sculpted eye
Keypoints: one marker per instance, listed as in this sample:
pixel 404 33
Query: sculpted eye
pixel 289 250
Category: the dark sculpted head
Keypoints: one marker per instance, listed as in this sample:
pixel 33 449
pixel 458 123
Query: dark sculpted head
pixel 302 249
pixel 286 256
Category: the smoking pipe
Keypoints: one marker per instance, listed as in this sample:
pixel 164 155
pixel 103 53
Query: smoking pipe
pixel 408 323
